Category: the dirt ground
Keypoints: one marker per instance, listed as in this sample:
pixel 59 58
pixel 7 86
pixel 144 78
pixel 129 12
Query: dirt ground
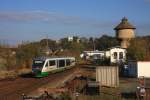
pixel 13 89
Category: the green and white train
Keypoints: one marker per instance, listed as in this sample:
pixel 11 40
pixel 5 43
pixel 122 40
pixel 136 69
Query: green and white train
pixel 42 66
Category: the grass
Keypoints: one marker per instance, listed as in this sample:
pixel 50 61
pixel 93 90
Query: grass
pixel 4 74
pixel 24 71
pixel 128 84
pixel 7 74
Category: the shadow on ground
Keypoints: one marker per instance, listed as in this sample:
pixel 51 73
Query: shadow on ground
pixel 28 75
pixel 128 95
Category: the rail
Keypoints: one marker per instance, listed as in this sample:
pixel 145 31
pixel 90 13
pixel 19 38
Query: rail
pixel 43 96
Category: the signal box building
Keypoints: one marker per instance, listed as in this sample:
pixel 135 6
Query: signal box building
pixel 116 54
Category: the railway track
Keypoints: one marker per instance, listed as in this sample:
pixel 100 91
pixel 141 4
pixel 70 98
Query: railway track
pixel 13 89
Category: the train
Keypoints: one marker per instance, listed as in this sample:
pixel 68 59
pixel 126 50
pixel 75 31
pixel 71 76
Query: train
pixel 42 66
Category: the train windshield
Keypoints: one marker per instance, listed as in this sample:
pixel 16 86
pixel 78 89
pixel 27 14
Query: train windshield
pixel 38 63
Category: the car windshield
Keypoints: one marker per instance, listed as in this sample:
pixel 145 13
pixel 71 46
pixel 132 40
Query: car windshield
pixel 38 63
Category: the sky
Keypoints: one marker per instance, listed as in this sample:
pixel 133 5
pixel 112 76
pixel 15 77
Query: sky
pixel 33 20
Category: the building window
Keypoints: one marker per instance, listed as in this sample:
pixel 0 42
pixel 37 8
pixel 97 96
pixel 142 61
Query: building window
pixel 115 55
pixel 120 55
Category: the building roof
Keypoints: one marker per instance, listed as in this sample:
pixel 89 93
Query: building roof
pixel 115 47
pixel 124 24
pixel 94 51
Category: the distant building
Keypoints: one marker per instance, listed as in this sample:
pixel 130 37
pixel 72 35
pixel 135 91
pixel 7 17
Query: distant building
pixel 125 32
pixel 73 38
pixel 78 40
pixel 70 38
pixel 58 41
pixel 89 54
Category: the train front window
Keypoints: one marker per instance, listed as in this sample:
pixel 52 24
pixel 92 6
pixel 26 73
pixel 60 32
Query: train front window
pixel 46 64
pixel 38 63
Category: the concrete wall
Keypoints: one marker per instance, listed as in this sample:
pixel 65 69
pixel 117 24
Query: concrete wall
pixel 125 33
pixel 143 69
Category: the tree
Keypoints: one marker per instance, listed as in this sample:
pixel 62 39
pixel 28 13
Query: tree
pixel 26 52
pixel 105 42
pixel 10 59
pixel 65 44
pixel 48 44
pixel 139 49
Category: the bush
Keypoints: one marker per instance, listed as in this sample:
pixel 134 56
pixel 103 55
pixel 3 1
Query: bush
pixel 64 96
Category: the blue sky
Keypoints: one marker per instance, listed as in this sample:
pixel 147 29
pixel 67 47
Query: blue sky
pixel 32 20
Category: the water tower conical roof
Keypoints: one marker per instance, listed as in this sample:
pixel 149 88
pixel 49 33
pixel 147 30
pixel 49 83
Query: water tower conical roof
pixel 124 25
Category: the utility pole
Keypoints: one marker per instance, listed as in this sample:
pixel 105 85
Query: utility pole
pixel 47 41
pixel 47 46
pixel 93 44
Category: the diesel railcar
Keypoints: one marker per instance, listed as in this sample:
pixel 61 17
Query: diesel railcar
pixel 42 66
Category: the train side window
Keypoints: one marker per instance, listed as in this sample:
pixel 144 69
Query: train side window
pixel 68 62
pixel 52 63
pixel 46 64
pixel 61 63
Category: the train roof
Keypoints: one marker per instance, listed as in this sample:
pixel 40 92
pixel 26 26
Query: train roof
pixel 44 58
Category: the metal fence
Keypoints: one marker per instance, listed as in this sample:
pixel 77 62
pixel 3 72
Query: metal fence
pixel 107 76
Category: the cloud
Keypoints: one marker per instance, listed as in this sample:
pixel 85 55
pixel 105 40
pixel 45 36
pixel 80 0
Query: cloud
pixel 35 16
pixel 56 24
pixel 51 18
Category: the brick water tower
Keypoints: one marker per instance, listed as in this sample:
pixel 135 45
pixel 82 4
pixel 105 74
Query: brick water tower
pixel 124 32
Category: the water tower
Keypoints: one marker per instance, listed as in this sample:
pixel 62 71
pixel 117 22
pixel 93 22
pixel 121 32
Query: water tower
pixel 124 32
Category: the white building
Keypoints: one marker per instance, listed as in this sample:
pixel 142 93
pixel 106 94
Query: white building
pixel 88 54
pixel 116 54
pixel 73 38
pixel 70 38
